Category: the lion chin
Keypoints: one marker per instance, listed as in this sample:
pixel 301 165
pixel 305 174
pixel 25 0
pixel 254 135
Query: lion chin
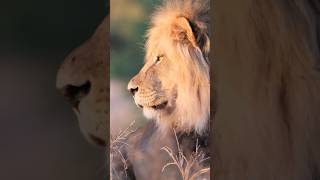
pixel 150 113
pixel 152 110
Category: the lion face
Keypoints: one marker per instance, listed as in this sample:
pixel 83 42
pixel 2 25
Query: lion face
pixel 82 79
pixel 151 88
pixel 173 85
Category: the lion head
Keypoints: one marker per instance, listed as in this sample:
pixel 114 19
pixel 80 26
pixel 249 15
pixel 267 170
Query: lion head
pixel 173 86
pixel 82 79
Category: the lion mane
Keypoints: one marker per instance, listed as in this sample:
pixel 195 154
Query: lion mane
pixel 189 45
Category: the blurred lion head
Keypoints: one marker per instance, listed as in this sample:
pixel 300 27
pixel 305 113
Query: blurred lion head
pixel 82 79
pixel 173 86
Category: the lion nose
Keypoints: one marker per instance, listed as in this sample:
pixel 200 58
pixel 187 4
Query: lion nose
pixel 133 90
pixel 133 87
pixel 75 93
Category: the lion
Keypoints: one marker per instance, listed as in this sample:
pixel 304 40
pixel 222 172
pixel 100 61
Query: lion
pixel 177 46
pixel 83 80
pixel 267 81
pixel 173 90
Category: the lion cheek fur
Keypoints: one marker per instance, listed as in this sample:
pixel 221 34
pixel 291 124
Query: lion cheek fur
pixel 185 112
pixel 149 113
pixel 193 109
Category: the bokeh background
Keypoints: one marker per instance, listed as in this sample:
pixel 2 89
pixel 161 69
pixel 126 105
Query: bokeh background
pixel 128 24
pixel 39 134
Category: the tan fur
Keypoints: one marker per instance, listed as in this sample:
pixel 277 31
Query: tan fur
pixel 267 121
pixel 89 63
pixel 176 67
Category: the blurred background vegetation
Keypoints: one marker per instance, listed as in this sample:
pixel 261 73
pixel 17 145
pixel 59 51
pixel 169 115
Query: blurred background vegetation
pixel 39 134
pixel 128 25
pixel 129 21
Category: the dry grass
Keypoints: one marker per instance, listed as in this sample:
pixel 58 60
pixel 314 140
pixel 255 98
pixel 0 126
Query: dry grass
pixel 116 144
pixel 189 168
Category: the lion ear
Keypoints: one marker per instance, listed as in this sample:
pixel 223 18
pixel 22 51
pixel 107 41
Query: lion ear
pixel 182 31
pixel 185 32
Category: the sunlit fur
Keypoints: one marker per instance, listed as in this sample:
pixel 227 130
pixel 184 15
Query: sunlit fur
pixel 191 76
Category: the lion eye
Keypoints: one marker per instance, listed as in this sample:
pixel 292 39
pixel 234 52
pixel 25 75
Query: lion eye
pixel 159 58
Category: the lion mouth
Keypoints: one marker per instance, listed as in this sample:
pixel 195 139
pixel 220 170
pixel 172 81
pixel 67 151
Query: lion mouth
pixel 160 106
pixel 155 107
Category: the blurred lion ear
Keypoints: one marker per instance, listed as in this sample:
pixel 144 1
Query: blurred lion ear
pixel 182 31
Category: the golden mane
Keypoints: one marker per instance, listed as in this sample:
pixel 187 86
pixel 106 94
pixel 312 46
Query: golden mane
pixel 193 100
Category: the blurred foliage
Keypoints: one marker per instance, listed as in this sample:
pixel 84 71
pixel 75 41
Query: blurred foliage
pixel 129 21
